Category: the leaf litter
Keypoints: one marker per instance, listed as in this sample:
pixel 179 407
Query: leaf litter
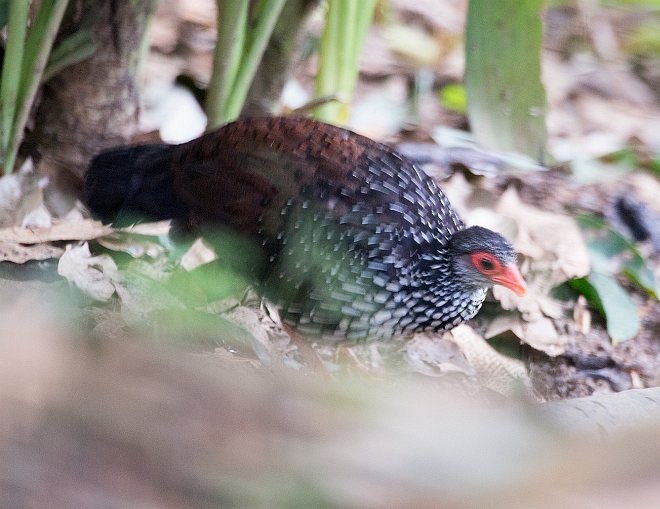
pixel 551 246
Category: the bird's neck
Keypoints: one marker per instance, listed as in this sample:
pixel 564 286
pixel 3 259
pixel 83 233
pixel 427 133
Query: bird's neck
pixel 439 300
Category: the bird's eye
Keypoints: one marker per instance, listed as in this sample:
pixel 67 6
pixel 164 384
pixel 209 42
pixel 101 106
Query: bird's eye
pixel 486 264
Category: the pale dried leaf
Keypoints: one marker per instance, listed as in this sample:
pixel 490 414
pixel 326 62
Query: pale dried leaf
pixel 82 230
pixel 20 253
pixel 553 241
pixel 270 343
pixel 433 355
pixel 20 193
pixel 542 335
pixel 199 254
pixel 582 315
pixel 134 246
pixel 413 43
pixel 96 276
pixel 37 218
pixel 494 370
pixel 154 229
pixel 539 333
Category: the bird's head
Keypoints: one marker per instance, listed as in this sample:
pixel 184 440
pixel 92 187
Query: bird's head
pixel 481 258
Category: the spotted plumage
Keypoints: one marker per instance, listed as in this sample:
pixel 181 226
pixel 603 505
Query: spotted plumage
pixel 354 241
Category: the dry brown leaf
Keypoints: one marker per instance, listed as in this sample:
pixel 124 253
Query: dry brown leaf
pixel 86 229
pixel 433 355
pixel 552 241
pixel 269 341
pixel 20 253
pixel 539 333
pixel 96 276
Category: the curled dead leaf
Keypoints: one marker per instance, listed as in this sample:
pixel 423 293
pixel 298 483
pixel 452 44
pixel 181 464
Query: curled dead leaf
pixel 539 333
pixel 496 371
pixel 552 241
pixel 433 355
pixel 96 276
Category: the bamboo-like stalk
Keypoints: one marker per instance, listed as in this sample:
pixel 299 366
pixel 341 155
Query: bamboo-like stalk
pixel 346 26
pixel 232 28
pixel 327 74
pixel 37 50
pixel 11 68
pixel 347 50
pixel 267 13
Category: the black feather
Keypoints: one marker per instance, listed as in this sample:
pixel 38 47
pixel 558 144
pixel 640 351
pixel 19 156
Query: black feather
pixel 126 184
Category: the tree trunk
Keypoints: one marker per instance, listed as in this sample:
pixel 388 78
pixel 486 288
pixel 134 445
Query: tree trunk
pixel 92 105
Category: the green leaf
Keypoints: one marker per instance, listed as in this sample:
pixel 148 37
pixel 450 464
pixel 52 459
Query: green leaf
pixel 654 165
pixel 38 45
pixel 11 71
pixel 639 273
pixel 621 313
pixel 606 249
pixel 613 302
pixel 4 13
pixel 212 282
pixel 505 98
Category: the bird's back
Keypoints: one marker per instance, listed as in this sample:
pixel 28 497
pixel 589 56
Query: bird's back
pixel 247 172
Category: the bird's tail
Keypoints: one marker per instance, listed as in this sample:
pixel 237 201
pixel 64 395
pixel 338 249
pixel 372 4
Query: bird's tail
pixel 128 184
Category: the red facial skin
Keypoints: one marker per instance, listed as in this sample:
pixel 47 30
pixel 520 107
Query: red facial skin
pixel 505 275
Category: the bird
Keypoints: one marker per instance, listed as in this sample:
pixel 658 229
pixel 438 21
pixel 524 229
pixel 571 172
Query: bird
pixel 349 239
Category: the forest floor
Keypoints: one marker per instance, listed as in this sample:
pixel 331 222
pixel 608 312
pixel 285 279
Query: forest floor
pixel 604 125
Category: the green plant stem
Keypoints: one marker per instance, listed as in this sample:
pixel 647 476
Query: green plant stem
pixel 11 68
pixel 268 11
pixel 232 28
pixel 37 50
pixel 346 41
pixel 347 22
pixel 326 77
pixel 363 20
